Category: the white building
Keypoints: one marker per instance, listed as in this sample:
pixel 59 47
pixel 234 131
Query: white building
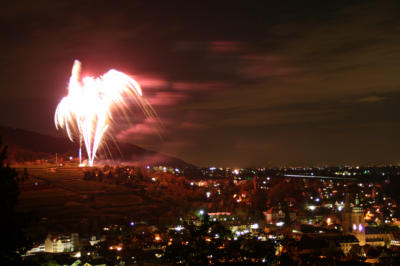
pixel 61 243
pixel 36 249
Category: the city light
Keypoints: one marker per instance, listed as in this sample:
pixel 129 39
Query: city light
pixel 329 221
pixel 254 226
pixel 280 223
pixel 179 228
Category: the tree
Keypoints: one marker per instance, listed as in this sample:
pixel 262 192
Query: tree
pixel 25 175
pixel 100 175
pixel 259 202
pixel 87 175
pixel 12 224
pixel 110 175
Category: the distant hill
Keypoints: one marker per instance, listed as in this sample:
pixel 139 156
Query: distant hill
pixel 24 141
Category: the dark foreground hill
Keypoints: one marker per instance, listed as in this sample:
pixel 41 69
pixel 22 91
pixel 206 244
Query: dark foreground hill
pixel 28 145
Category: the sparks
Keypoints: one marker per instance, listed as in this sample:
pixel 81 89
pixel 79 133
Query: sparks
pixel 86 111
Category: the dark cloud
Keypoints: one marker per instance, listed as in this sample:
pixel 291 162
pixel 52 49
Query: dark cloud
pixel 234 84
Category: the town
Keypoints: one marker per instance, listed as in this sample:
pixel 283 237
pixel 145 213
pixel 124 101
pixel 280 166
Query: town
pixel 221 215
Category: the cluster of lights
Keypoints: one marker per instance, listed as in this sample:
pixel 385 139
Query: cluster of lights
pixel 239 233
pixel 359 227
pixel 254 226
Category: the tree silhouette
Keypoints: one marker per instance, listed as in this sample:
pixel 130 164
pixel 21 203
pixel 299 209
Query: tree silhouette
pixel 14 241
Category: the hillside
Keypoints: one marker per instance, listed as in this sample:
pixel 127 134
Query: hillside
pixel 27 144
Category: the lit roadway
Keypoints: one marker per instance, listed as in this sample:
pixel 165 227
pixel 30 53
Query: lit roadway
pixel 321 177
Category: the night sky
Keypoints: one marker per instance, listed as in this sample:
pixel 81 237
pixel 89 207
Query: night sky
pixel 235 83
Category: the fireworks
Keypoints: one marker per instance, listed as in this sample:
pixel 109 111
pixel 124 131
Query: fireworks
pixel 86 112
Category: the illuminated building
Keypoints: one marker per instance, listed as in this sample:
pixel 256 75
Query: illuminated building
pixel 61 243
pixel 353 220
pixel 378 236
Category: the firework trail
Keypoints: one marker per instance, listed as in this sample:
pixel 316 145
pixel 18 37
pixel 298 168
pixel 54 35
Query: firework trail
pixel 85 113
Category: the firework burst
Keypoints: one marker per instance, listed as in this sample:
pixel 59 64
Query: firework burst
pixel 86 112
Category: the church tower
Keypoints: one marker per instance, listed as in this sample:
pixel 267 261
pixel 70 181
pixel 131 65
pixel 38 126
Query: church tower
pixel 353 219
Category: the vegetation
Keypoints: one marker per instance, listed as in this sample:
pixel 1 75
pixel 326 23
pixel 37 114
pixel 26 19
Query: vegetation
pixel 12 223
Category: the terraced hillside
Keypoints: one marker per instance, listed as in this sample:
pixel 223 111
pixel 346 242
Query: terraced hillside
pixel 62 199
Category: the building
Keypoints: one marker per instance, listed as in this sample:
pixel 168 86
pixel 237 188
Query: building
pixel 346 242
pixel 353 223
pixel 61 243
pixel 378 236
pixel 36 249
pixel 274 215
pixel 353 219
pixel 221 216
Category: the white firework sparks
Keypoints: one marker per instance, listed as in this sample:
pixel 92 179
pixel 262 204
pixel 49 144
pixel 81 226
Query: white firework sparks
pixel 86 110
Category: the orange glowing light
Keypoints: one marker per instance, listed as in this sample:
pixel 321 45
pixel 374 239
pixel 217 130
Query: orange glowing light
pixel 328 221
pixel 157 237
